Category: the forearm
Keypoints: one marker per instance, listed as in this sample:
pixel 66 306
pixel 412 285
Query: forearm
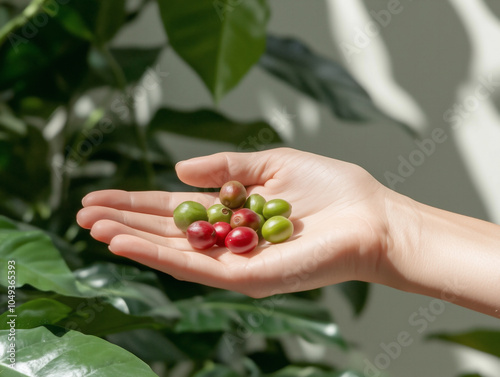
pixel 442 254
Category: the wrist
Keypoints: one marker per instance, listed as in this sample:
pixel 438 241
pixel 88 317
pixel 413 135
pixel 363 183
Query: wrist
pixel 441 254
pixel 397 265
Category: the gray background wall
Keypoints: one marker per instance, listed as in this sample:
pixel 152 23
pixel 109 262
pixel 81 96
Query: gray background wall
pixel 422 63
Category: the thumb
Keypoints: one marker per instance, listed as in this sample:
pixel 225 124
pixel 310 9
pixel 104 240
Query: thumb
pixel 252 168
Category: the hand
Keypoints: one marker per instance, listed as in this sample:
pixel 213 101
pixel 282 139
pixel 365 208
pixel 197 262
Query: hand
pixel 337 211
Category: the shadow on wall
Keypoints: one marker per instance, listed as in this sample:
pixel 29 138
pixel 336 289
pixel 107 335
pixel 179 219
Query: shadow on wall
pixel 474 117
pixel 431 55
pixel 430 52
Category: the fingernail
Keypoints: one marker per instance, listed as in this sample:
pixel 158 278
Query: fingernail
pixel 180 164
pixel 85 200
pixel 79 218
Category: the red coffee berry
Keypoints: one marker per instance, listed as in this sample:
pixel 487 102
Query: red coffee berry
pixel 233 194
pixel 201 235
pixel 242 240
pixel 222 229
pixel 245 217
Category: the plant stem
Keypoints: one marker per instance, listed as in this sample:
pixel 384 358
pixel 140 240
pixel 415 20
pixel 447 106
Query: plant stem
pixel 139 131
pixel 30 11
pixel 117 71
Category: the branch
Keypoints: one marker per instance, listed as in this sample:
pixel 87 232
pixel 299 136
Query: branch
pixel 21 19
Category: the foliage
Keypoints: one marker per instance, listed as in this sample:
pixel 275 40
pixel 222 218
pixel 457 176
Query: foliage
pixel 43 353
pixel 68 126
pixel 483 340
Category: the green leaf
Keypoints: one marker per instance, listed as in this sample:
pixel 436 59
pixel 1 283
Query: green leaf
pixel 482 340
pixel 73 21
pixel 40 353
pixel 10 122
pixel 37 262
pixel 216 370
pixel 126 288
pixel 134 63
pixel 122 144
pixel 298 371
pixel 51 65
pixel 95 316
pixel 6 223
pixel 117 298
pixel 209 125
pixel 24 165
pixel 220 40
pixel 109 299
pixel 356 292
pixel 117 308
pixel 4 15
pixel 271 358
pixel 109 20
pixel 321 79
pixel 149 345
pixel 66 249
pixel 271 316
pixel 198 346
pixel 93 20
pixel 36 313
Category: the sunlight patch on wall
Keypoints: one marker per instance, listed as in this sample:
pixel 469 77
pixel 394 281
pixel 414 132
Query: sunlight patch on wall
pixel 309 115
pixel 483 29
pixel 475 361
pixel 478 134
pixel 55 124
pixel 479 143
pixel 357 32
pixel 280 117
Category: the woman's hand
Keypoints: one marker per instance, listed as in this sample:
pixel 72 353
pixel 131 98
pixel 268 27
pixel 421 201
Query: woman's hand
pixel 338 214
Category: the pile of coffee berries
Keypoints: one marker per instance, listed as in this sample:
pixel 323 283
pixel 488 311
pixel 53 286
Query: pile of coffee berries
pixel 238 223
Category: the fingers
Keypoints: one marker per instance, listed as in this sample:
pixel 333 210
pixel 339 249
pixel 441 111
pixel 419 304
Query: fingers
pixel 159 225
pixel 192 266
pixel 149 202
pixel 106 230
pixel 215 170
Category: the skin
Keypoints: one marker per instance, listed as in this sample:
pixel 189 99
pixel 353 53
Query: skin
pixel 348 226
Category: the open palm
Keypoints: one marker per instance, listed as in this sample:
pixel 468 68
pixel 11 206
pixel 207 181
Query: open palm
pixel 337 213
